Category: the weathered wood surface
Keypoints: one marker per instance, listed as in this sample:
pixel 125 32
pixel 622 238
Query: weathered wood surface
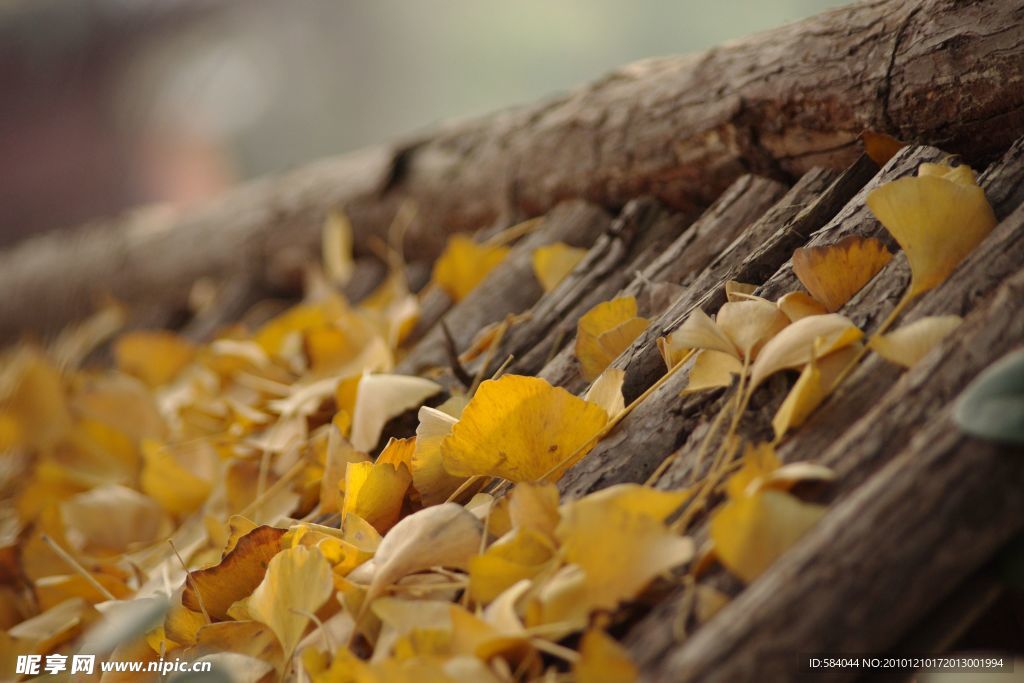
pixel 679 128
pixel 510 288
pixel 745 200
pixel 897 544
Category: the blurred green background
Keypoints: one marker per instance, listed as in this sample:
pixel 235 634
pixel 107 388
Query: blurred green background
pixel 112 103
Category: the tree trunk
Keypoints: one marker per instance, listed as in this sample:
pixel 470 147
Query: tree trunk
pixel 680 129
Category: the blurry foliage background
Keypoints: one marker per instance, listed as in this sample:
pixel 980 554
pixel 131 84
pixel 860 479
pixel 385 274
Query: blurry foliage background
pixel 106 104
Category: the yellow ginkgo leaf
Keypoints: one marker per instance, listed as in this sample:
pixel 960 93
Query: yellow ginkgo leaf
pixel 834 273
pixel 880 147
pixel 606 391
pixel 816 382
pixel 738 291
pixel 237 575
pixel 155 357
pixel 534 506
pixel 750 323
pixel 698 331
pixel 444 535
pixel 759 461
pixel 604 332
pixel 179 478
pixel 337 247
pixel 712 369
pixel 464 264
pixel 634 499
pixel 619 548
pixel 752 531
pixel 797 305
pixel 553 262
pixel 520 428
pixel 807 338
pixel 602 660
pixel 429 477
pixel 374 491
pixel 113 519
pixel 382 397
pixel 297 583
pixel 938 218
pixel 521 555
pixel 910 343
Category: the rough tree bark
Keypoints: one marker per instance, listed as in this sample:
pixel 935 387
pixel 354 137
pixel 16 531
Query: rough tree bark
pixel 681 128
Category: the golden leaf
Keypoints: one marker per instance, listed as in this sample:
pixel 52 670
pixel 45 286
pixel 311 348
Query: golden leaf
pixel 602 660
pixel 604 332
pixel 236 576
pixel 374 491
pixel 834 273
pixel 913 341
pixel 606 391
pixel 521 555
pixel 738 291
pixel 816 382
pixel 440 536
pixel 170 475
pixel 155 357
pixel 750 324
pixel 880 147
pixel 698 331
pixel 429 477
pixel 620 546
pixel 297 583
pixel 938 218
pixel 797 344
pixel 798 305
pixel 464 264
pixel 752 531
pixel 382 397
pixel 553 262
pixel 712 369
pixel 519 428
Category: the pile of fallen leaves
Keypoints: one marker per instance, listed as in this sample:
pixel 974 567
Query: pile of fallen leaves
pixel 233 501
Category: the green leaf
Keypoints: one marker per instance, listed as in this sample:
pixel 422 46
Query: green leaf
pixel 992 406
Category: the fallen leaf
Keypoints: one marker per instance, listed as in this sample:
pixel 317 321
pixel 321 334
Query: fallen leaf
pixel 698 331
pixel 834 273
pixel 464 264
pixel 297 583
pixel 619 547
pixel 602 660
pixel 817 380
pixel 712 369
pixel 938 218
pixel 606 391
pixel 798 305
pixel 523 554
pixel 382 397
pixel 552 263
pixel 519 428
pixel 880 147
pixel 155 357
pixel 738 291
pixel 750 324
pixel 113 519
pixel 797 344
pixel 910 343
pixel 752 531
pixel 443 535
pixel 429 477
pixel 375 492
pixel 236 576
pixel 605 331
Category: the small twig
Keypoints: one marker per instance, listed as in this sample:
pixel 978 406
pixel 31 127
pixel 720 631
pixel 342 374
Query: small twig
pixel 77 566
pixel 195 584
